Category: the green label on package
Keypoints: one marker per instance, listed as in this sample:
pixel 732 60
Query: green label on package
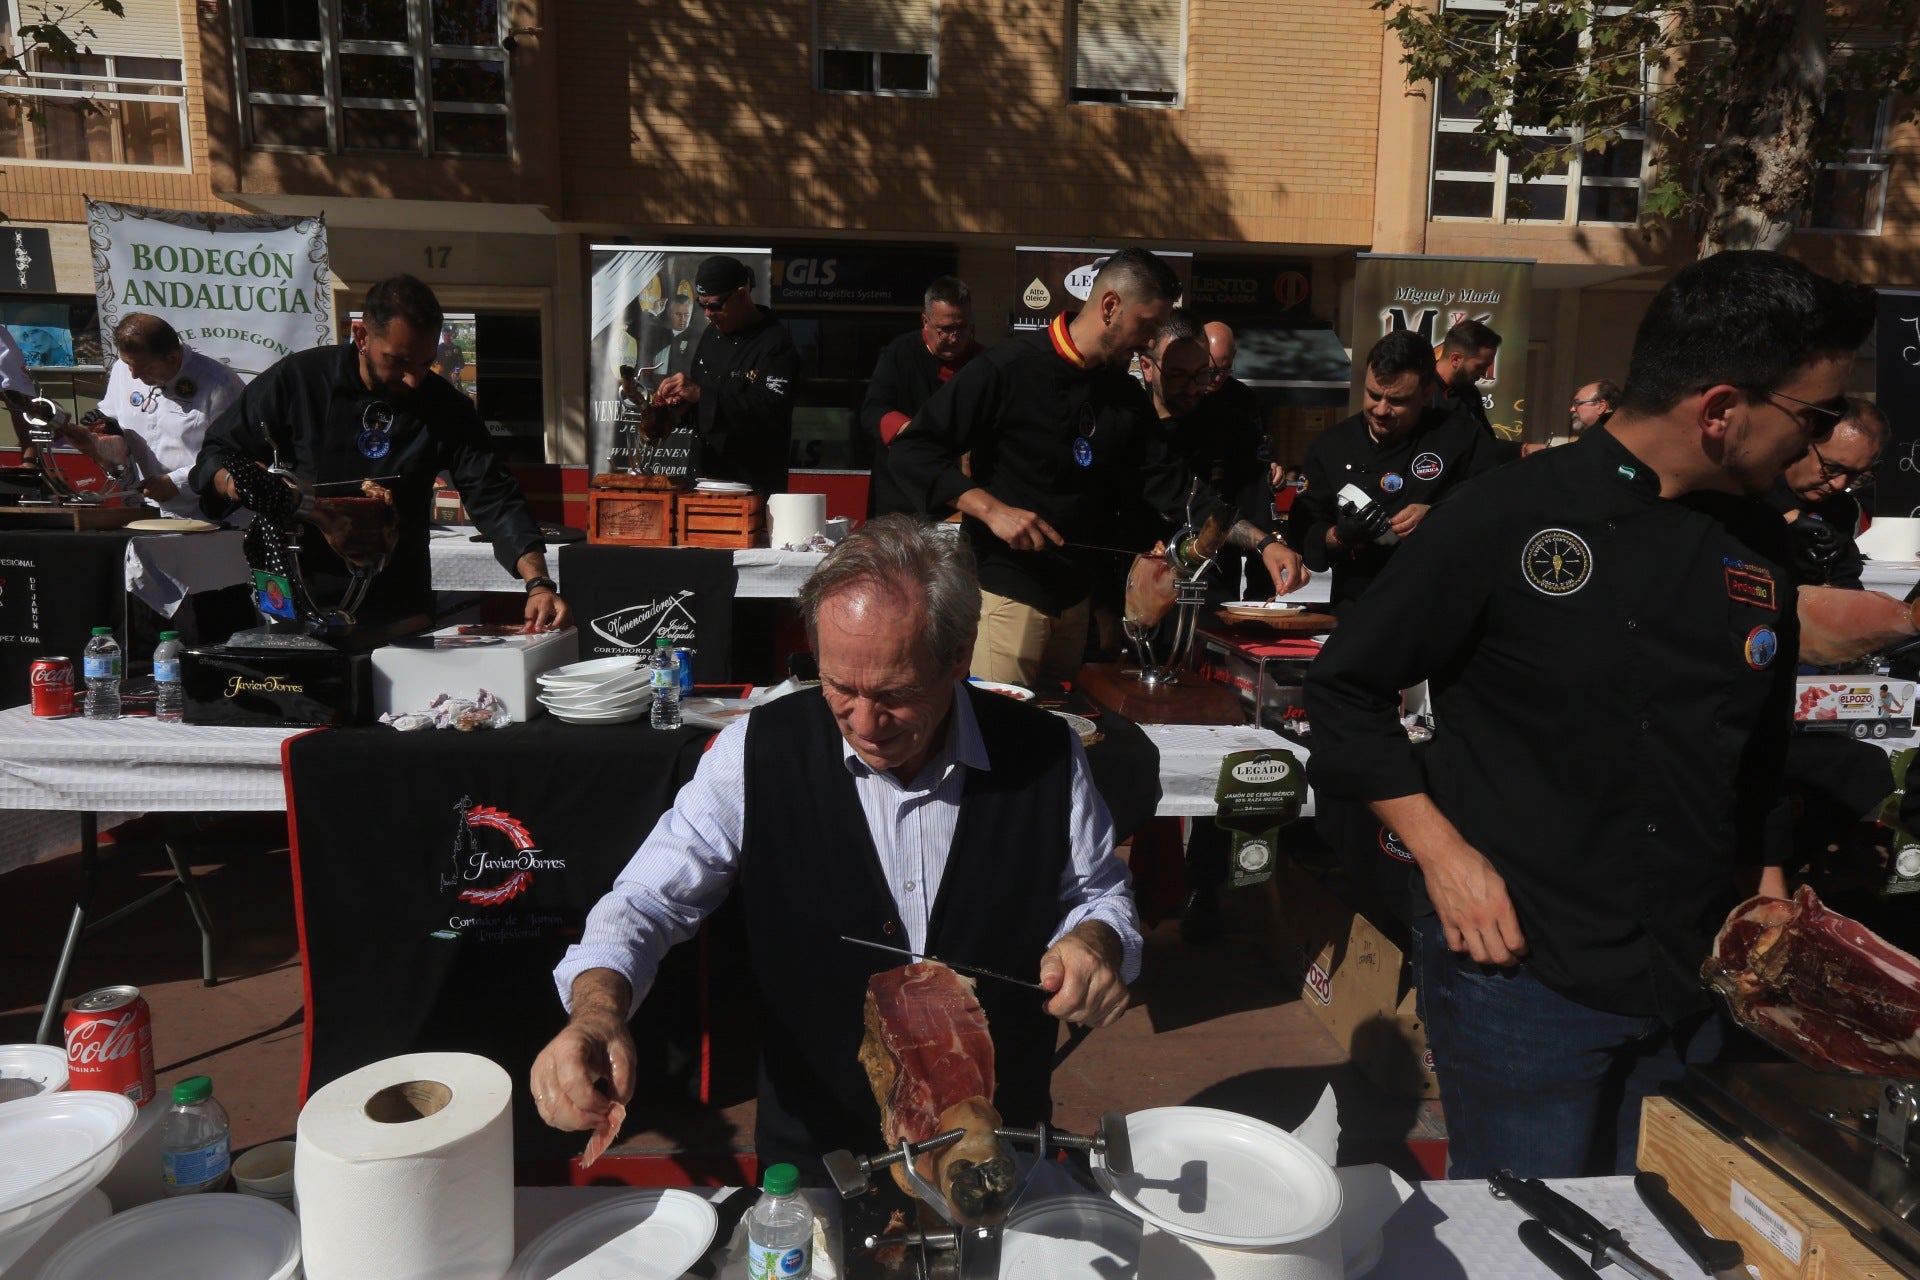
pixel 1258 793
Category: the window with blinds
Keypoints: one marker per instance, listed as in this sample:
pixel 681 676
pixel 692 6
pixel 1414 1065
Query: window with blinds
pixel 150 29
pixel 883 47
pixel 120 100
pixel 1129 51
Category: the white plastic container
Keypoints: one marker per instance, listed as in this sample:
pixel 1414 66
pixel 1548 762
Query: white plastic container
pixel 408 676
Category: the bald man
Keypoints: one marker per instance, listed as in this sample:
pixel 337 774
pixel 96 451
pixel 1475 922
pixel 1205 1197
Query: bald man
pixel 164 395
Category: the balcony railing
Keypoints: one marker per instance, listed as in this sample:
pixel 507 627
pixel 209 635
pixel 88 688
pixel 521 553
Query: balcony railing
pixel 78 119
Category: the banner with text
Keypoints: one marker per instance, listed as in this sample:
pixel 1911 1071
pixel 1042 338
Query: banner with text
pixel 244 288
pixel 644 317
pixel 1057 280
pixel 1896 387
pixel 1429 296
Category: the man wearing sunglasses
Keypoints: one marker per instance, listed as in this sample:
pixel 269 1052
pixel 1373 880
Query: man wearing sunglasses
pixel 1609 632
pixel 1819 497
pixel 741 381
pixel 372 408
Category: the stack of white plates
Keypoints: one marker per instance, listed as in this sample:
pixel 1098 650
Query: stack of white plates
pixel 29 1070
pixel 204 1237
pixel 53 1150
pixel 600 691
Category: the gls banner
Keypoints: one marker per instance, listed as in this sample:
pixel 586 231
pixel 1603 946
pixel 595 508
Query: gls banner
pixel 245 289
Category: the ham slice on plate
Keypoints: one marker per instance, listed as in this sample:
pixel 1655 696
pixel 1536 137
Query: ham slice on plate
pixel 929 1060
pixel 1818 986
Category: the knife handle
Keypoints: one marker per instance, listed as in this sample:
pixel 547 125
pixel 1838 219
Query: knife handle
pixel 1709 1253
pixel 1562 1261
pixel 1549 1206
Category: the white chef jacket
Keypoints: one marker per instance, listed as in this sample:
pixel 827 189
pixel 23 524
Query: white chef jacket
pixel 165 425
pixel 13 367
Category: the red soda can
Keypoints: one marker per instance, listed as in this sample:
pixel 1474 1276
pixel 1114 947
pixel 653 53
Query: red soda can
pixel 110 1044
pixel 52 681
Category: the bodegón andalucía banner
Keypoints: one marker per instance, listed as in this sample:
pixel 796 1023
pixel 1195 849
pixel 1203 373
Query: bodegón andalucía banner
pixel 245 289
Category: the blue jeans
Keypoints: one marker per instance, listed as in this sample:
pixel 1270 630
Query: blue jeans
pixel 1533 1081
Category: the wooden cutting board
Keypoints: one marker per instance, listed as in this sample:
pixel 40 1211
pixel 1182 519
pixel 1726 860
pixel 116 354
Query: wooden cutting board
pixel 1284 623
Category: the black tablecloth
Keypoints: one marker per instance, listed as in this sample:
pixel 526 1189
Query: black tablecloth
pixel 626 596
pixel 440 876
pixel 55 587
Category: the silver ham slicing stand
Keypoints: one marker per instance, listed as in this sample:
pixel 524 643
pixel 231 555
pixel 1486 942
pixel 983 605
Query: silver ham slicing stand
pixel 954 1251
pixel 1190 574
pixel 46 424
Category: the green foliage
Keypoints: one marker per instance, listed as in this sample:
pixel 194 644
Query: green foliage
pixel 1545 80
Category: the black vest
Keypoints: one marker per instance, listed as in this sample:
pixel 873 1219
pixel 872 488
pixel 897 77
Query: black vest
pixel 809 873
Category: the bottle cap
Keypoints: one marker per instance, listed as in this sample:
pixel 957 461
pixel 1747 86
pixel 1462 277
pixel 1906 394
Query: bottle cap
pixel 663 643
pixel 169 635
pixel 780 1180
pixel 103 631
pixel 191 1090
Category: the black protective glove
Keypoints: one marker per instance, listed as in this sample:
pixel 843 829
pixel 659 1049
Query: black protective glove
pixel 1357 526
pixel 1816 546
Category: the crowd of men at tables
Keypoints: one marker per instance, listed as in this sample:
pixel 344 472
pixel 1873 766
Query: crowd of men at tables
pixel 1608 628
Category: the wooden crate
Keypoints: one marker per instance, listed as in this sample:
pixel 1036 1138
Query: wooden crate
pixel 725 520
pixel 630 518
pixel 1782 1234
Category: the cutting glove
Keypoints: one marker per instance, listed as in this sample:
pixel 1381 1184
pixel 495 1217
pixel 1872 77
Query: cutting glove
pixel 1357 526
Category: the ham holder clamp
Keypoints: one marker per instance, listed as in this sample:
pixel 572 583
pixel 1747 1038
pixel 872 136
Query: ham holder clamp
pixel 949 1249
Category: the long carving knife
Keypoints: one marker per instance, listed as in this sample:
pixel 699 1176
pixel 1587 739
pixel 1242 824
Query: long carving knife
pixel 957 968
pixel 1602 1244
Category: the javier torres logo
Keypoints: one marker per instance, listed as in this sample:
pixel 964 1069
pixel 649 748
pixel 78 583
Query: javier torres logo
pixel 493 861
pixel 642 625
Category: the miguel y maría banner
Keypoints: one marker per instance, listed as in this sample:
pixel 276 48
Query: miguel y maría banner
pixel 243 288
pixel 644 316
pixel 1896 387
pixel 1430 295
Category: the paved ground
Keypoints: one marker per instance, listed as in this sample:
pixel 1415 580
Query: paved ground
pixel 1212 1026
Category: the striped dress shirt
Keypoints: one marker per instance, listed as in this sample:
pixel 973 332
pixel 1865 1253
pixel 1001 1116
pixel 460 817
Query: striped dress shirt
pixel 683 870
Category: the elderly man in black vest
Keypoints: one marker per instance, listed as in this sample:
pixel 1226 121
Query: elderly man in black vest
pixel 896 803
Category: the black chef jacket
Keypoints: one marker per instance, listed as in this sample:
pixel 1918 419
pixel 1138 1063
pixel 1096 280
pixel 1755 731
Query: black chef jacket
pixel 746 380
pixel 1613 675
pixel 1444 448
pixel 313 403
pixel 1219 443
pixel 1022 408
pixel 1840 511
pixel 904 377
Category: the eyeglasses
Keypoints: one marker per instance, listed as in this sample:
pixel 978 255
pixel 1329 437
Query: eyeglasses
pixel 1858 478
pixel 1820 419
pixel 952 330
pixel 1175 378
pixel 711 305
pixel 1590 400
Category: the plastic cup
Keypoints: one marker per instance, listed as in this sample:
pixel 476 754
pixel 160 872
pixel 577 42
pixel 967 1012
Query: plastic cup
pixel 266 1171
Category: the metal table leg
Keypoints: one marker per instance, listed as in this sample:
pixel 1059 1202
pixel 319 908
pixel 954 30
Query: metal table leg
pixel 77 927
pixel 202 918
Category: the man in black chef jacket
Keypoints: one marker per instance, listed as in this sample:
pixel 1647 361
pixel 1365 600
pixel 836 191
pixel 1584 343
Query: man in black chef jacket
pixel 1402 452
pixel 910 369
pixel 1817 498
pixel 373 408
pixel 741 384
pixel 1609 633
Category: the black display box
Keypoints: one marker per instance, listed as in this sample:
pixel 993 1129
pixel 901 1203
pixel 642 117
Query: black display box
pixel 276 687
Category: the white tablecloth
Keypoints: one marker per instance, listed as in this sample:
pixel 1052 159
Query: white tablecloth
pixel 1895 577
pixel 1190 756
pixel 461 564
pixel 165 568
pixel 51 771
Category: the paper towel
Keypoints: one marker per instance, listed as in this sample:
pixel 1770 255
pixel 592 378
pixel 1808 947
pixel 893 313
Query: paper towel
pixel 404 1170
pixel 797 518
pixel 1891 538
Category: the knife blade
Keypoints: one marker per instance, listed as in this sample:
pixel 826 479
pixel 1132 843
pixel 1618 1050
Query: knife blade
pixel 1602 1244
pixel 1719 1258
pixel 1560 1260
pixel 957 968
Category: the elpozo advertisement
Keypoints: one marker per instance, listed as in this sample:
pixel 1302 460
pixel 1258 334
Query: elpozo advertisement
pixel 1061 279
pixel 644 315
pixel 1430 295
pixel 245 289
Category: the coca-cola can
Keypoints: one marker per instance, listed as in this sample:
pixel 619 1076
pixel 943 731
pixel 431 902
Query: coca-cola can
pixel 52 681
pixel 110 1044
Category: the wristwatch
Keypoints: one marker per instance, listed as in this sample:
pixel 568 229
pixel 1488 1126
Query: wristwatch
pixel 536 584
pixel 1268 541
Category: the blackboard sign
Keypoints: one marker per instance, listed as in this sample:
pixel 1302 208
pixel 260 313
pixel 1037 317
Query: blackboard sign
pixel 1896 385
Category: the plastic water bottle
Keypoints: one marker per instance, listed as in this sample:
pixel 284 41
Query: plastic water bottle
pixel 780 1229
pixel 196 1148
pixel 103 671
pixel 171 704
pixel 666 686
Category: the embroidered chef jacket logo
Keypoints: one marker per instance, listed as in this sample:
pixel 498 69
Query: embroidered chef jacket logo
pixel 1392 846
pixel 1750 584
pixel 1761 647
pixel 1428 466
pixel 1390 482
pixel 1556 562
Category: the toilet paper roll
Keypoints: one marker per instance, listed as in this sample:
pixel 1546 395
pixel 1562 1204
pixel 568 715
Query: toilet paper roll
pixel 1167 1256
pixel 797 518
pixel 404 1170
pixel 1891 538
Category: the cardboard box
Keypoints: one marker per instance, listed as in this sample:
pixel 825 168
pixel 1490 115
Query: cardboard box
pixel 1353 979
pixel 1782 1234
pixel 408 675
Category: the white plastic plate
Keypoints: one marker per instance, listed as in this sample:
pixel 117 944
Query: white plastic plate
pixel 42 1065
pixel 1069 1236
pixel 212 1236
pixel 1082 727
pixel 653 1234
pixel 1223 1178
pixel 722 486
pixel 1263 606
pixel 1018 693
pixel 590 672
pixel 57 1140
